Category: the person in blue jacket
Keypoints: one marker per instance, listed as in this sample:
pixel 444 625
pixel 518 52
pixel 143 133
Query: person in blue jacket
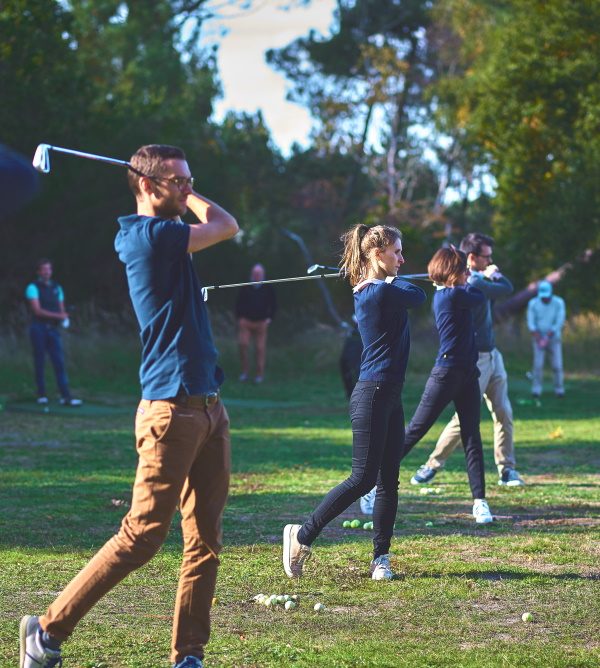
pixel 371 259
pixel 454 376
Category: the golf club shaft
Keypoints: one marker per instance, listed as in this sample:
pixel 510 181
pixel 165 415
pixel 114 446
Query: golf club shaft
pixel 273 280
pixel 423 277
pixel 90 156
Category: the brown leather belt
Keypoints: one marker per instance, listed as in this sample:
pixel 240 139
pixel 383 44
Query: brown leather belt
pixel 197 400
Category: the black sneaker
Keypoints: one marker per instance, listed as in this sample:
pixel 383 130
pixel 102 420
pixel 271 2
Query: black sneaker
pixel 511 478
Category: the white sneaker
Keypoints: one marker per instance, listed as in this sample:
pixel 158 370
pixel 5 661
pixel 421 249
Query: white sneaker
pixel 381 568
pixel 294 553
pixel 70 402
pixel 481 512
pixel 42 400
pixel 33 653
pixel 367 502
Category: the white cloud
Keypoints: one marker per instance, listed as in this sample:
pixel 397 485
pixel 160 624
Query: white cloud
pixel 249 83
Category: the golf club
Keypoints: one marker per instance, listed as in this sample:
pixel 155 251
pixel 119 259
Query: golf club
pixel 314 268
pixel 41 159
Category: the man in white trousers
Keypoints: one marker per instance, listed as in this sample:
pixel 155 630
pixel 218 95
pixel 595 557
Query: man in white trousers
pixel 545 320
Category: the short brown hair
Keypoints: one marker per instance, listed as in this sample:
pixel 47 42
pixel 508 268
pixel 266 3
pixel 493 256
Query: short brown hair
pixel 447 266
pixel 148 160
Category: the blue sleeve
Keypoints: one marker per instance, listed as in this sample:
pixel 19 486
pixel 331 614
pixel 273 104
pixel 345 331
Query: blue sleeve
pixel 491 289
pixel 60 294
pixel 401 294
pixel 169 238
pixel 468 296
pixel 19 181
pixel 32 292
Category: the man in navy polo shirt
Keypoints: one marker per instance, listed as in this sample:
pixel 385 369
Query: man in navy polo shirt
pixel 182 428
pixel 47 303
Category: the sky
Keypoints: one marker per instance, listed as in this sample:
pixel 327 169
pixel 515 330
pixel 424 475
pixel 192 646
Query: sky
pixel 249 83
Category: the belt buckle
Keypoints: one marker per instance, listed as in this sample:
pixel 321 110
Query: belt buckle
pixel 211 398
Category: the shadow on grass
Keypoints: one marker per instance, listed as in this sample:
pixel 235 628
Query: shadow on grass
pixel 83 517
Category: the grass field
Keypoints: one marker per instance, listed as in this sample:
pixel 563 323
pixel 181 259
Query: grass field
pixel 65 482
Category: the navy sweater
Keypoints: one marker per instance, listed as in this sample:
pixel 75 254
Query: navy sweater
pixel 453 310
pixel 381 312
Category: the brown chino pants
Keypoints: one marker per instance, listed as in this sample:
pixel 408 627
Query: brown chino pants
pixel 184 457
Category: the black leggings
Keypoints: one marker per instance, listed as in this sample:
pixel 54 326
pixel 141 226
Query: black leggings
pixel 446 384
pixel 377 441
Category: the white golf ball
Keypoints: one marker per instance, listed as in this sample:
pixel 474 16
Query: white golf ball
pixel 527 617
pixel 289 605
pixel 319 607
pixel 280 599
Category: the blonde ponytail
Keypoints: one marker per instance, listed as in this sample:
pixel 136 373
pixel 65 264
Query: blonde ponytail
pixel 358 242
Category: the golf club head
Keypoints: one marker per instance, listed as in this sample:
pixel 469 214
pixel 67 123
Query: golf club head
pixel 314 268
pixel 41 159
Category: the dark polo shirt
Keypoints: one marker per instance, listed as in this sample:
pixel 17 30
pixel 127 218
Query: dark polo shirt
pixel 177 344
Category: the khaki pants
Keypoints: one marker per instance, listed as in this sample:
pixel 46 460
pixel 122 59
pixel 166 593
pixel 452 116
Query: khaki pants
pixel 184 457
pixel 257 330
pixel 493 384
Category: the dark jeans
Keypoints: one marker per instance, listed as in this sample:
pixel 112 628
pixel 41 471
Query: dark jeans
pixel 446 384
pixel 46 338
pixel 377 438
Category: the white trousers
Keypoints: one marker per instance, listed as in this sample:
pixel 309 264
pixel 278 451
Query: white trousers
pixel 554 349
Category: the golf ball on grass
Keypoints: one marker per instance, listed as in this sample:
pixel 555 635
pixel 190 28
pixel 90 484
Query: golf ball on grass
pixel 289 605
pixel 318 607
pixel 527 617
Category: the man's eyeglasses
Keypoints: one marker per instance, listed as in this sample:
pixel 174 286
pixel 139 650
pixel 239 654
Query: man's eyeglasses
pixel 485 257
pixel 179 181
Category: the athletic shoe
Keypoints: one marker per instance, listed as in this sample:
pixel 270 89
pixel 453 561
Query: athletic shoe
pixel 70 402
pixel 367 502
pixel 481 512
pixel 258 380
pixel 424 474
pixel 189 662
pixel 243 377
pixel 42 400
pixel 33 652
pixel 381 568
pixel 294 553
pixel 511 478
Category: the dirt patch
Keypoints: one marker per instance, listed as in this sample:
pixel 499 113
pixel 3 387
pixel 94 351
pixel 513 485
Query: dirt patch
pixel 558 521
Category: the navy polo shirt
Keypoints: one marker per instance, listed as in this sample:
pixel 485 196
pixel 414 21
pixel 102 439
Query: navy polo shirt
pixel 381 313
pixel 177 344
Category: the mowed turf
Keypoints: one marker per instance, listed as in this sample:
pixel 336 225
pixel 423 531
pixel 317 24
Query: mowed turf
pixel 65 482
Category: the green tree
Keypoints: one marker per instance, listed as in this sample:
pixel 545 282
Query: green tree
pixel 525 101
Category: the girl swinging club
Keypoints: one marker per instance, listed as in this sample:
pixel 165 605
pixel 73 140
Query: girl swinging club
pixel 455 373
pixel 371 259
